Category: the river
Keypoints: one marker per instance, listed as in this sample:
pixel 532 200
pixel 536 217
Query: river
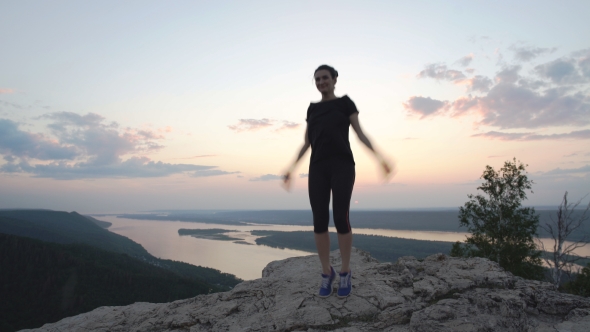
pixel 246 261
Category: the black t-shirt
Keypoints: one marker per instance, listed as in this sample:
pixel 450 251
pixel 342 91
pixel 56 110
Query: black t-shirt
pixel 327 128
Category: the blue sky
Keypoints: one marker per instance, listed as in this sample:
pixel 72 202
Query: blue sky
pixel 143 104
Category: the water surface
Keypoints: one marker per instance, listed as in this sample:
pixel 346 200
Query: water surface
pixel 161 239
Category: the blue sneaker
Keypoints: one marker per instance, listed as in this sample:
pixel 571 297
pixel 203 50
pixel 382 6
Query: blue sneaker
pixel 327 280
pixel 345 284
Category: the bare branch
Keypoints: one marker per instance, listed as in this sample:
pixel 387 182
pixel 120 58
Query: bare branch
pixel 560 229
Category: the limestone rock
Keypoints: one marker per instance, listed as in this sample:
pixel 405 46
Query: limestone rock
pixel 440 293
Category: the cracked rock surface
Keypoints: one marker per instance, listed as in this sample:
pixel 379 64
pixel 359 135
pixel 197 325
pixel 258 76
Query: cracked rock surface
pixel 440 293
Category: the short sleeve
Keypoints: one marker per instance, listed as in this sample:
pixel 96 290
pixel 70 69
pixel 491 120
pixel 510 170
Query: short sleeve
pixel 350 108
pixel 308 111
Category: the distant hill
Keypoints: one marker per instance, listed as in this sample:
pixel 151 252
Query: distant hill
pixel 71 227
pixel 44 282
pixel 385 249
pixel 435 220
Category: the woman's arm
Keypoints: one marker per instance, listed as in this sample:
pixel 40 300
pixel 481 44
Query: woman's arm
pixel 354 122
pixel 287 175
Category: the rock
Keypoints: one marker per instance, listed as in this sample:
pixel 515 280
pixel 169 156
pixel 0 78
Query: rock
pixel 440 293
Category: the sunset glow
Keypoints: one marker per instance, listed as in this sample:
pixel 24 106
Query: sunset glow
pixel 118 106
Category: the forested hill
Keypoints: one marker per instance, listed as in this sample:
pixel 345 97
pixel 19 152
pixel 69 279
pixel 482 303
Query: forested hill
pixel 67 228
pixel 44 282
pixel 103 224
pixel 64 227
pixel 81 266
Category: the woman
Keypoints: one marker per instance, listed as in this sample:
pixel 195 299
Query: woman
pixel 331 168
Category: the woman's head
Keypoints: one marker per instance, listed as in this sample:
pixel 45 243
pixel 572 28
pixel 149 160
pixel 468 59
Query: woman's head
pixel 325 78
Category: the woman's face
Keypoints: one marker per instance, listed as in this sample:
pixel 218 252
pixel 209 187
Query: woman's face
pixel 324 82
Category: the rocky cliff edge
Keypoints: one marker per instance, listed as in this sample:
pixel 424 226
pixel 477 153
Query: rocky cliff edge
pixel 439 293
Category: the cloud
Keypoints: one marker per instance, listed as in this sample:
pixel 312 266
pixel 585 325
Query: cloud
pixel 251 124
pixel 267 177
pixel 211 172
pixel 134 167
pixel 63 119
pixel 6 91
pixel 475 39
pixel 466 60
pixel 199 156
pixel 479 83
pixel 570 155
pixel 85 146
pixel 509 74
pixel 17 106
pixel 103 143
pixel 304 175
pixel 583 58
pixel 563 71
pixel 440 71
pixel 18 143
pixel 558 171
pixel 580 134
pixel 288 125
pixel 511 106
pixel 425 106
pixel 528 53
pixel 255 124
pixel 553 94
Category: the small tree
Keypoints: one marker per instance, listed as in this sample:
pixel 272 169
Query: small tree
pixel 560 229
pixel 580 286
pixel 501 229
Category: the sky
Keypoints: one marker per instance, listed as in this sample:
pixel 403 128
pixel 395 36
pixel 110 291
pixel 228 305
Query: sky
pixel 115 106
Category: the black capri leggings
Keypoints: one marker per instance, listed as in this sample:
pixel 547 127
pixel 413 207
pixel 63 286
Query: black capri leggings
pixel 334 175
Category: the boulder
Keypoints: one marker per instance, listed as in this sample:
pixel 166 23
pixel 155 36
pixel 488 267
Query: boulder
pixel 439 293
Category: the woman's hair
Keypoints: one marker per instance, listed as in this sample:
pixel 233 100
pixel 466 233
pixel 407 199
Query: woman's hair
pixel 332 71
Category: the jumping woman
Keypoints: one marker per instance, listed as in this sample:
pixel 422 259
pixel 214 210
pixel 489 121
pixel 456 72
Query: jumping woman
pixel 331 169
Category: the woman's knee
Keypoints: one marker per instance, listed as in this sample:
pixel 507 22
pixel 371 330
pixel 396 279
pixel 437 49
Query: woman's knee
pixel 342 227
pixel 319 229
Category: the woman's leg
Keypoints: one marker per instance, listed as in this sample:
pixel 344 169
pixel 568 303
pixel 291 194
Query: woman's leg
pixel 322 243
pixel 343 175
pixel 345 244
pixel 319 198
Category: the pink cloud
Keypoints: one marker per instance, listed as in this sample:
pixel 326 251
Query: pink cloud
pixel 6 91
